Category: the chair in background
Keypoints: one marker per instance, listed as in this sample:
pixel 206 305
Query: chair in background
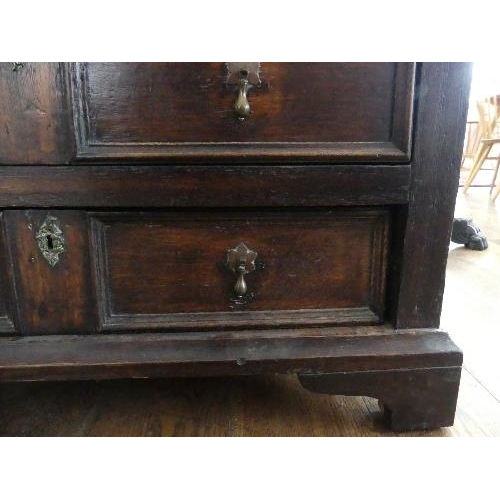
pixel 471 142
pixel 489 136
pixel 497 191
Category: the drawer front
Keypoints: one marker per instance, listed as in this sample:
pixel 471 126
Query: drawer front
pixel 50 267
pixel 298 111
pixel 172 271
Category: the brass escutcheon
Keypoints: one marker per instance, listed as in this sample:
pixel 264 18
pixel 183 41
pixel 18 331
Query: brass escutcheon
pixel 50 240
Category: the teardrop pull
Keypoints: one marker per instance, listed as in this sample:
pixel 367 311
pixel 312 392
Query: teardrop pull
pixel 241 106
pixel 241 287
pixel 241 260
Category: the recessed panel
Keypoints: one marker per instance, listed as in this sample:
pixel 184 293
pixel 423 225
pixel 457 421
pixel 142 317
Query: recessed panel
pixel 297 111
pixel 178 270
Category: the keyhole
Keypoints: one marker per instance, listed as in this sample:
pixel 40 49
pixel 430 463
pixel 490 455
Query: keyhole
pixel 50 242
pixel 243 73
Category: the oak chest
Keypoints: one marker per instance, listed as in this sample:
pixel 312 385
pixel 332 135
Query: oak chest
pixel 176 219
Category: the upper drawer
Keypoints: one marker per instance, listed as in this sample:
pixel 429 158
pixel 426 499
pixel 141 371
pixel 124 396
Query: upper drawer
pixel 319 112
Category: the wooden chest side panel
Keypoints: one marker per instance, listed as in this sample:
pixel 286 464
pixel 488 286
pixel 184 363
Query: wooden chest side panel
pixel 168 270
pixel 435 171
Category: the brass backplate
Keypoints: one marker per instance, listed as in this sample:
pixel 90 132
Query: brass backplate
pixel 250 71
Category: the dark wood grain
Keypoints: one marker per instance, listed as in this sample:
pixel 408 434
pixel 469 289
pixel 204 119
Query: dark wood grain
pixel 443 91
pixel 34 118
pixel 167 270
pixel 51 299
pixel 303 111
pixel 259 405
pixel 6 324
pixel 198 186
pixel 153 143
pixel 313 351
pixel 3 274
pixel 413 399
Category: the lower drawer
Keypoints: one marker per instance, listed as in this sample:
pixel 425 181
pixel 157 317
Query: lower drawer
pixel 215 270
pixel 188 270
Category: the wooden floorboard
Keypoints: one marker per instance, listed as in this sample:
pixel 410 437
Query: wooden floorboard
pixel 471 306
pixel 273 405
pixel 277 405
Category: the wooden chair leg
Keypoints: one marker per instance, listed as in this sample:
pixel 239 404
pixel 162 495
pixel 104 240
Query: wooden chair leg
pixel 496 193
pixel 494 180
pixel 479 159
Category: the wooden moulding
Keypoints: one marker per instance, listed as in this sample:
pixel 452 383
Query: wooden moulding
pixel 415 373
pixel 304 351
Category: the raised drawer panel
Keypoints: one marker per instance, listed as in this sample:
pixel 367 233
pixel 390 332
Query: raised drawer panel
pixel 300 111
pixel 169 270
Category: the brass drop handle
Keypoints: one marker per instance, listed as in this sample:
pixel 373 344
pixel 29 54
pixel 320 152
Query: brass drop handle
pixel 241 288
pixel 244 76
pixel 241 260
pixel 242 106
